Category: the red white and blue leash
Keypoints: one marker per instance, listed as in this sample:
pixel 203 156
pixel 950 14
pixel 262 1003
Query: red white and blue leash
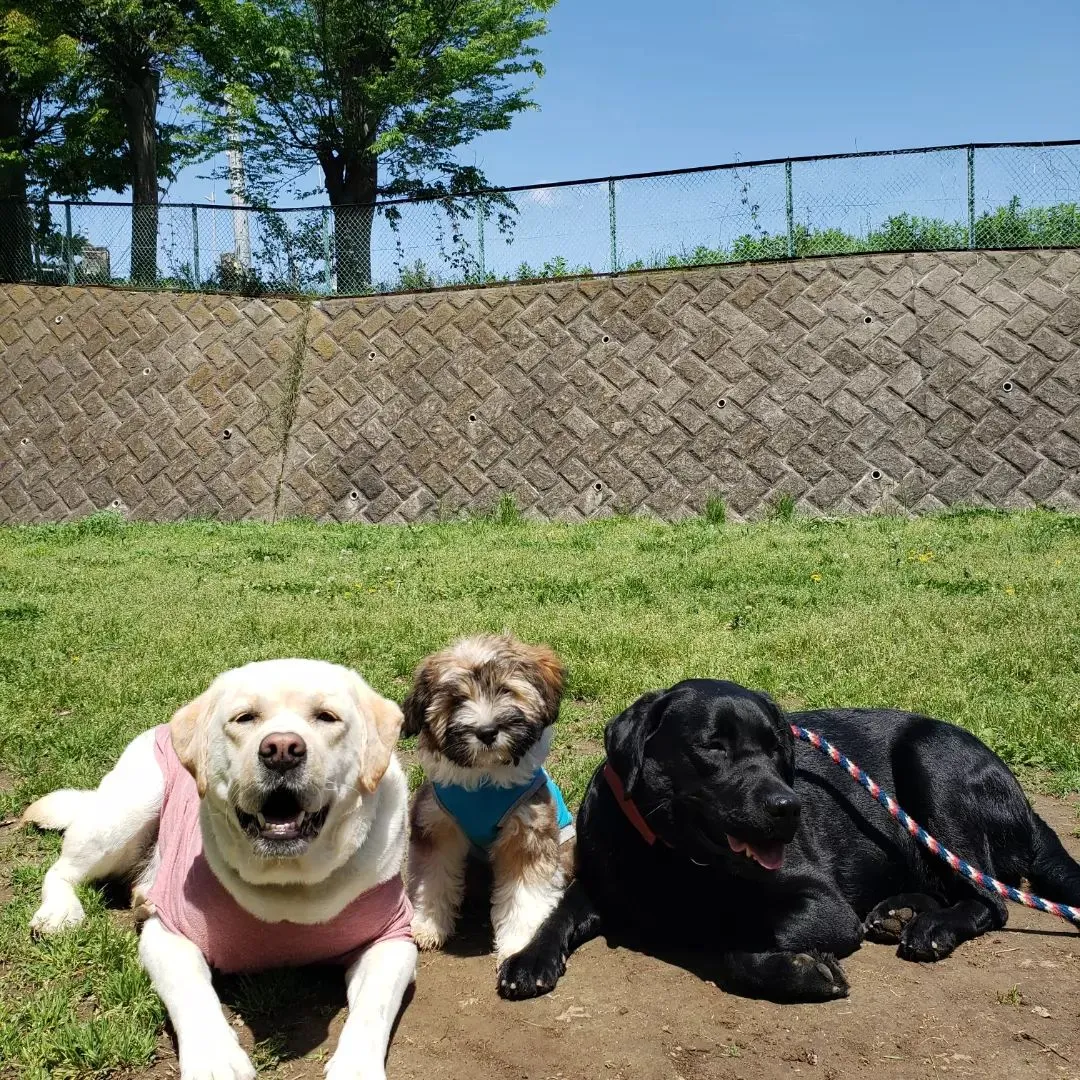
pixel 1017 896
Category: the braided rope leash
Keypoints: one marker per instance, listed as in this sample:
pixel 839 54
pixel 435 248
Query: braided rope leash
pixel 1017 896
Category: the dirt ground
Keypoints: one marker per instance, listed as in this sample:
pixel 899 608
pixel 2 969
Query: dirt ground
pixel 1003 1006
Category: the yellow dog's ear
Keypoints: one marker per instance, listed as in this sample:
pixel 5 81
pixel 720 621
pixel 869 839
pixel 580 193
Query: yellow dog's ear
pixel 384 720
pixel 190 738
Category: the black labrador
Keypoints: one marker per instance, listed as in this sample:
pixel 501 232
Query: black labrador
pixel 712 838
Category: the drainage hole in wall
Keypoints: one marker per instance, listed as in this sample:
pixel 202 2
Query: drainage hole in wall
pixel 598 486
pixel 354 495
pixel 1007 387
pixel 868 320
pixel 59 319
pixel 227 434
pixel 371 355
pixel 146 371
pixel 876 474
pixel 115 504
pixel 24 441
pixel 605 339
pixel 722 403
pixel 472 418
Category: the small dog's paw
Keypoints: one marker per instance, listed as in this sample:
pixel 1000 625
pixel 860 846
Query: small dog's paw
pixel 217 1056
pixel 57 915
pixel 427 934
pixel 926 939
pixel 528 975
pixel 509 947
pixel 820 977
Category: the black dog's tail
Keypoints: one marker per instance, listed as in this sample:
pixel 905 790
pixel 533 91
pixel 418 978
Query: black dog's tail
pixel 1054 873
pixel 539 966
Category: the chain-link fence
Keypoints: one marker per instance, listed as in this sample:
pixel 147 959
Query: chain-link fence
pixel 942 198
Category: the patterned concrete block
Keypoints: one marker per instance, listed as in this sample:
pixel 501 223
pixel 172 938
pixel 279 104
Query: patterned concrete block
pixel 853 384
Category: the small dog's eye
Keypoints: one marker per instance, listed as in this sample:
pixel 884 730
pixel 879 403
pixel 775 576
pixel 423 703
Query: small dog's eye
pixel 244 718
pixel 327 717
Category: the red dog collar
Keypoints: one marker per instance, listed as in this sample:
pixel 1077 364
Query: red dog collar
pixel 633 814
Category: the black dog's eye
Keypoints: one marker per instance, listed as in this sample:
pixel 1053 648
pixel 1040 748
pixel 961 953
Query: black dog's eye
pixel 244 718
pixel 327 717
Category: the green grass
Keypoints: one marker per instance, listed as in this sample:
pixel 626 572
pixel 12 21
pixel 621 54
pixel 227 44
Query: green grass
pixel 106 627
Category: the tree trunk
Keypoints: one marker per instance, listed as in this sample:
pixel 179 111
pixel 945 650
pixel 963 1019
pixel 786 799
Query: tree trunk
pixel 140 100
pixel 16 221
pixel 352 186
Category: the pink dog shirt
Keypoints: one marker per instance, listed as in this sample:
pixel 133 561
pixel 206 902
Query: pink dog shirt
pixel 190 901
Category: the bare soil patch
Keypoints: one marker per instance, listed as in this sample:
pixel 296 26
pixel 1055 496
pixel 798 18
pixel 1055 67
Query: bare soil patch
pixel 1005 1005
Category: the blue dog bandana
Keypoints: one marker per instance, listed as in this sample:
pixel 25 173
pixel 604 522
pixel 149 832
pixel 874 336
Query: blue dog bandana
pixel 480 812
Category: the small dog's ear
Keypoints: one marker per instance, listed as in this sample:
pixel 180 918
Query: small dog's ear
pixel 416 703
pixel 550 674
pixel 190 739
pixel 626 735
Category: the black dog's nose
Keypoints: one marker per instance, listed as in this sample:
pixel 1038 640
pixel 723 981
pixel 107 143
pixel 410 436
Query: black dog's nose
pixel 282 751
pixel 783 807
pixel 487 735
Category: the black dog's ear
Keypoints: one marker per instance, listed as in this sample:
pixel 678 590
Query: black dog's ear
pixel 626 735
pixel 782 726
pixel 416 703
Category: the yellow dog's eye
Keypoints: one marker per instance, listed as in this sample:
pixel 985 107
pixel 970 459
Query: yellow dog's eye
pixel 244 718
pixel 327 717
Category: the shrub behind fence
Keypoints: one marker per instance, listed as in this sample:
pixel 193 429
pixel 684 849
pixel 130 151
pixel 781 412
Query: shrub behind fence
pixel 984 196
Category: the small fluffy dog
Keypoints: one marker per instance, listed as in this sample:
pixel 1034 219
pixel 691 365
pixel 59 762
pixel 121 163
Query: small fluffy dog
pixel 484 709
pixel 263 827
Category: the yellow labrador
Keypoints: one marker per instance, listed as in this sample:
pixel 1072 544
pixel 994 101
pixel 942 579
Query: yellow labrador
pixel 264 826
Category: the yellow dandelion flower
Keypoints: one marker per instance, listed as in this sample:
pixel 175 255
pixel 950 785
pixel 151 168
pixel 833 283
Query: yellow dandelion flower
pixel 1009 590
pixel 815 576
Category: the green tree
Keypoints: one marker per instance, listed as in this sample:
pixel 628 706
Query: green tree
pixel 377 94
pixel 42 79
pixel 130 45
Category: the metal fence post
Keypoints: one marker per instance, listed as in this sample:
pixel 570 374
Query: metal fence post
pixel 480 258
pixel 612 228
pixel 37 246
pixel 790 212
pixel 971 196
pixel 69 251
pixel 326 248
pixel 195 245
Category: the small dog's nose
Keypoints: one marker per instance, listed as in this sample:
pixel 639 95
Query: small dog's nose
pixel 783 807
pixel 282 751
pixel 487 735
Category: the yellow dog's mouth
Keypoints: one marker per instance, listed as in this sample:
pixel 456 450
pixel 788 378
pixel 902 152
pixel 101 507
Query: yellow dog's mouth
pixel 282 819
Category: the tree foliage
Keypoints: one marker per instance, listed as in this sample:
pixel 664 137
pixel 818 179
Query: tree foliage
pixel 80 88
pixel 377 95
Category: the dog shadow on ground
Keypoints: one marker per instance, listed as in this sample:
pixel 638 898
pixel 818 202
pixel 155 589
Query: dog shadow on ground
pixel 289 1011
pixel 473 934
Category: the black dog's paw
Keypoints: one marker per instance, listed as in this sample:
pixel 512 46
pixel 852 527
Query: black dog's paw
pixel 886 923
pixel 528 975
pixel 819 977
pixel 926 939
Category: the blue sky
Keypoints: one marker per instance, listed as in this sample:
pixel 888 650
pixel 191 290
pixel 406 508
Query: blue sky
pixel 714 81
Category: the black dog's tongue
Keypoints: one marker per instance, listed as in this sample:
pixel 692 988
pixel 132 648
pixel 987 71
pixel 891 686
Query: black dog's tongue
pixel 770 856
